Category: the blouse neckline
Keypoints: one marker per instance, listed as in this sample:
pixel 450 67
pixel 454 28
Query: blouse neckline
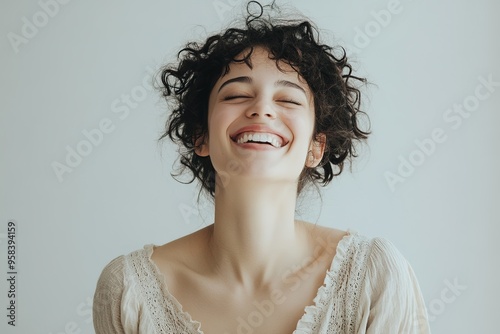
pixel 305 323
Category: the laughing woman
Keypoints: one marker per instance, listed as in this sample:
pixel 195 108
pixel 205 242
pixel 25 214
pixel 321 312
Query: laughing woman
pixel 262 111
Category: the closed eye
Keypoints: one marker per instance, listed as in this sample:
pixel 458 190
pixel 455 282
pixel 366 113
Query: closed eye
pixel 233 97
pixel 290 101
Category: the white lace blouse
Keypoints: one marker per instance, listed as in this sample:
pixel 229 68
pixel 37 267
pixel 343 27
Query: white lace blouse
pixel 370 288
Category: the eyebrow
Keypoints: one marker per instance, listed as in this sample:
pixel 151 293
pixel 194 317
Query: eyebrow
pixel 279 83
pixel 286 83
pixel 237 79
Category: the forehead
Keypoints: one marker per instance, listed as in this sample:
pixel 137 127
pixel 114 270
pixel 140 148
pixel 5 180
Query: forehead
pixel 261 60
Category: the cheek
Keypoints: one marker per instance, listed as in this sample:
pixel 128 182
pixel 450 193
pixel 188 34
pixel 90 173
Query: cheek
pixel 302 125
pixel 219 123
pixel 219 119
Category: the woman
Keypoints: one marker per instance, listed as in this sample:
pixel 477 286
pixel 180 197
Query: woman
pixel 261 112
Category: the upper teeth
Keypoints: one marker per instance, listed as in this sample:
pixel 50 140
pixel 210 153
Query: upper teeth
pixel 259 137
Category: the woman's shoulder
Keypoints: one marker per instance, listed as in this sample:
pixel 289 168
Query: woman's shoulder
pixel 119 293
pixel 347 245
pixel 372 249
pixel 385 270
pixel 112 271
pixel 116 274
pixel 378 275
pixel 389 279
pixel 110 284
pixel 388 267
pixel 382 255
pixel 181 251
pixel 119 276
pixel 362 255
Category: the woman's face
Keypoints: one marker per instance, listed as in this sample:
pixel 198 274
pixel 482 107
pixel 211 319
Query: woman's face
pixel 260 122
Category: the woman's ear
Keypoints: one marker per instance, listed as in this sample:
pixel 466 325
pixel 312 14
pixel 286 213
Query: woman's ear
pixel 201 145
pixel 316 151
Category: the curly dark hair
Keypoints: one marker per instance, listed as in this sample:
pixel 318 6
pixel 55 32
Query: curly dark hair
pixel 186 85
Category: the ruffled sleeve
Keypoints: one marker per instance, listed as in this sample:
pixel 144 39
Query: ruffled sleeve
pixel 391 300
pixel 115 306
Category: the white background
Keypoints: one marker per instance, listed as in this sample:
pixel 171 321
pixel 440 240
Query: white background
pixel 72 73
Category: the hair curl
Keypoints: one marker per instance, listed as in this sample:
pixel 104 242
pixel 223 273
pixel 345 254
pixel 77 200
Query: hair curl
pixel 187 84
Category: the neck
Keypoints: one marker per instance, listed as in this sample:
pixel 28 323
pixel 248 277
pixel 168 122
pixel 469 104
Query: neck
pixel 255 237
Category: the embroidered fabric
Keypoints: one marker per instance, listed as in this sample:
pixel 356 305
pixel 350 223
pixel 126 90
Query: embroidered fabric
pixel 333 311
pixel 335 307
pixel 166 312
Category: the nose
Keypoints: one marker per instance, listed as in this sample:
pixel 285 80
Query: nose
pixel 261 108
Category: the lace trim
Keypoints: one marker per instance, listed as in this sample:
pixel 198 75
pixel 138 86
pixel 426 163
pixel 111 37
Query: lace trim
pixel 165 310
pixel 338 298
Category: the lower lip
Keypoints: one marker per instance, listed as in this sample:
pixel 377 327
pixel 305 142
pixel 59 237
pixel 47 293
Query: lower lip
pixel 255 146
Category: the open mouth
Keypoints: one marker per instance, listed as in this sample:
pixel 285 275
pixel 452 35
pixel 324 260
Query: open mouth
pixel 260 138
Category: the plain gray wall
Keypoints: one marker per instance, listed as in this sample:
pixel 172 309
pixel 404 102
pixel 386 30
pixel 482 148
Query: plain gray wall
pixel 68 69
